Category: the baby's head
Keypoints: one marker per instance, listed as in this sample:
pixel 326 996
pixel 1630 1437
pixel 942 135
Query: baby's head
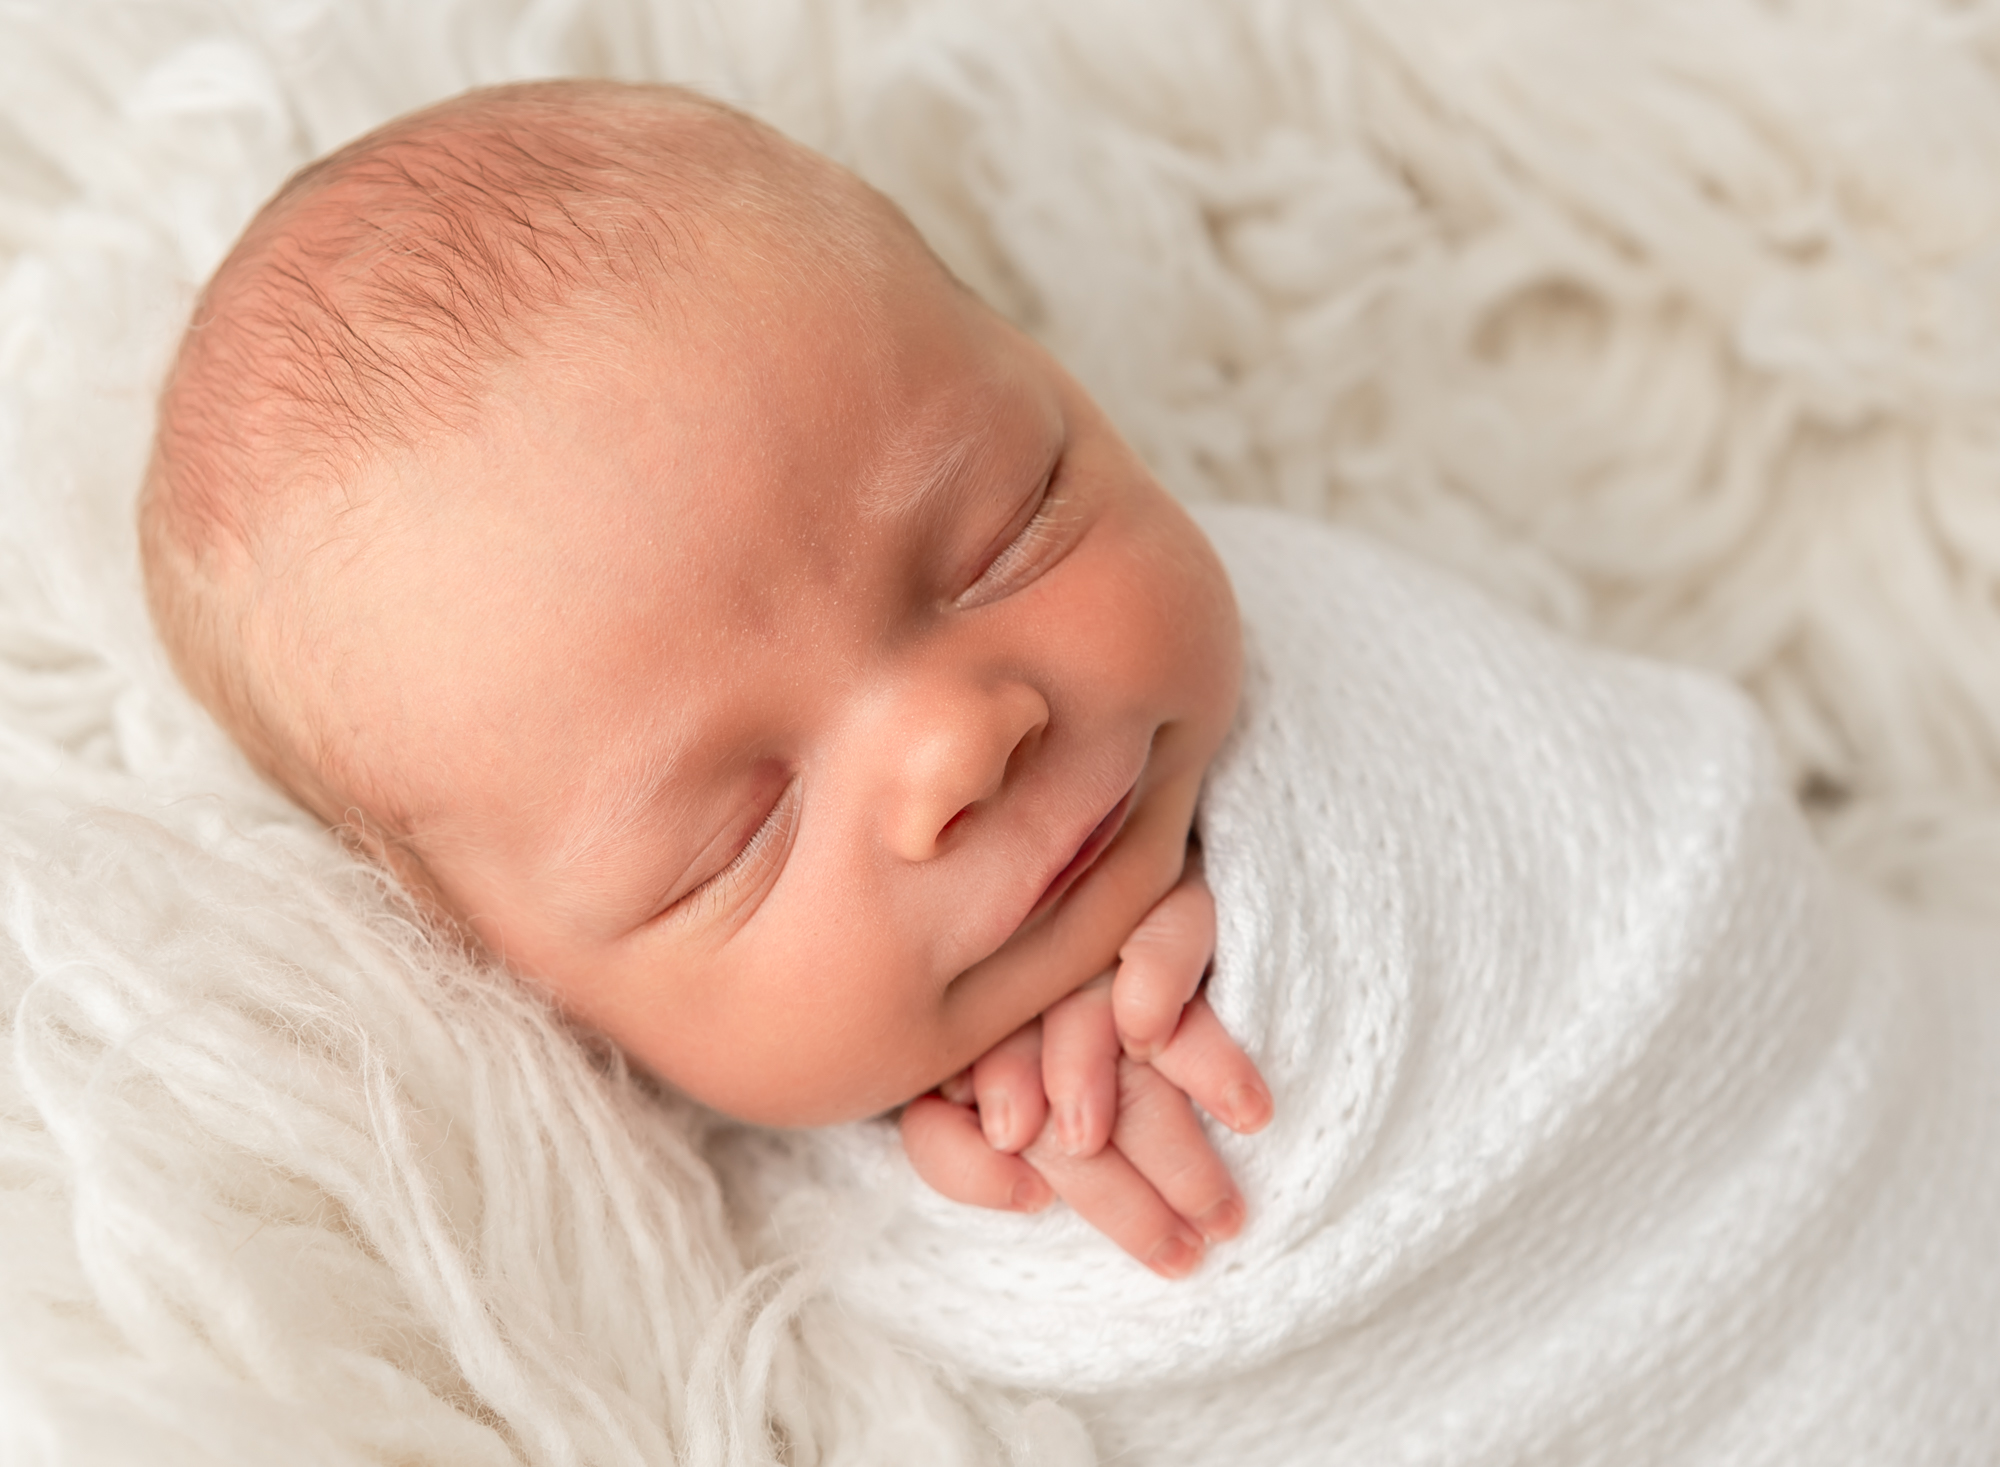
pixel 613 516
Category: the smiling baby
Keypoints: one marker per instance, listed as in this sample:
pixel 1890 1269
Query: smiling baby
pixel 612 517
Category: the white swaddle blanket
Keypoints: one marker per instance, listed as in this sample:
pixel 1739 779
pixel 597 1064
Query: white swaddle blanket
pixel 1610 1128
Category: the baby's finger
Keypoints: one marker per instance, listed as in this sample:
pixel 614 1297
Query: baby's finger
pixel 1007 1086
pixel 1108 1193
pixel 1080 1067
pixel 948 1150
pixel 1160 966
pixel 1159 1135
pixel 1206 1064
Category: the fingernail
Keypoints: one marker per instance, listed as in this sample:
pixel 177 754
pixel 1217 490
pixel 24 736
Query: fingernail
pixel 1175 1258
pixel 1069 1129
pixel 1030 1194
pixel 1224 1220
pixel 993 1121
pixel 1247 1107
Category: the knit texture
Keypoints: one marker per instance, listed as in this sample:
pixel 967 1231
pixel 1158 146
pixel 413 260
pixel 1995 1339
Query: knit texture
pixel 1609 1125
pixel 1670 321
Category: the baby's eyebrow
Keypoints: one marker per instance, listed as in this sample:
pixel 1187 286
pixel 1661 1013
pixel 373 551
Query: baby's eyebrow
pixel 633 786
pixel 924 466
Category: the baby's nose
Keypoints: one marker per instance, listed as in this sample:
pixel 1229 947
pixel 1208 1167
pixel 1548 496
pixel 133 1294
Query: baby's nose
pixel 959 749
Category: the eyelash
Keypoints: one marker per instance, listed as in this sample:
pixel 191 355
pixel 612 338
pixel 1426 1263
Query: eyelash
pixel 1005 568
pixel 765 843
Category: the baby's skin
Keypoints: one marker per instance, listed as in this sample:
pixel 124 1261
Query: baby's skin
pixel 741 632
pixel 1095 1091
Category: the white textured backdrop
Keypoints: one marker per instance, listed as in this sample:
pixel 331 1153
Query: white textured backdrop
pixel 1674 321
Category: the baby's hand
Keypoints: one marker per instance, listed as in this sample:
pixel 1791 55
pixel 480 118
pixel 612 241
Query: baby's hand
pixel 1095 1097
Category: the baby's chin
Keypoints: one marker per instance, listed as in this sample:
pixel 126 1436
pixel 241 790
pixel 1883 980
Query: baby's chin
pixel 827 1101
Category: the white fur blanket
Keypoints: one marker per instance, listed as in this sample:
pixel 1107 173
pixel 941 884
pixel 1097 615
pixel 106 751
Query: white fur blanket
pixel 1670 320
pixel 1610 1127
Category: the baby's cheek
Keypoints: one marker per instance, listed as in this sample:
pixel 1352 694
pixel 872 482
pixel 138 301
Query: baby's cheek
pixel 832 1024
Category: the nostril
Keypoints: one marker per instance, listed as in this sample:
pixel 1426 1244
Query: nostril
pixel 952 823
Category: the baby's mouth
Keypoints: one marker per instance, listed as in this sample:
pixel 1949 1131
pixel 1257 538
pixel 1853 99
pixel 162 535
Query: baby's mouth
pixel 1101 835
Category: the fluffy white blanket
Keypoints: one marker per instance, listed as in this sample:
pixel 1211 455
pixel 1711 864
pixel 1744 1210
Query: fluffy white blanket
pixel 1610 1126
pixel 1671 320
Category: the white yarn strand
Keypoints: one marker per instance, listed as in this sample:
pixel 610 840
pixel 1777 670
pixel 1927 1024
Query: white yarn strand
pixel 1674 323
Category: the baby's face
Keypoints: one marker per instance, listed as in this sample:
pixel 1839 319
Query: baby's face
pixel 807 694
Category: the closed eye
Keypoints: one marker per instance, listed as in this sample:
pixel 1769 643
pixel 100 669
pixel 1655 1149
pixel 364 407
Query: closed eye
pixel 1034 547
pixel 751 867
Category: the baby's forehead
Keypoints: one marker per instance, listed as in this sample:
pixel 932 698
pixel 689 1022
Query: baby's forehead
pixel 597 482
pixel 373 297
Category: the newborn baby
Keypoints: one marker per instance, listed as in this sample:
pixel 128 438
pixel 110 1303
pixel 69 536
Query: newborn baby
pixel 613 517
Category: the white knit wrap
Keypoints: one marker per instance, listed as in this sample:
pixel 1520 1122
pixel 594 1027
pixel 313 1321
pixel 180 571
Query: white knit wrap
pixel 1672 319
pixel 1609 1127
